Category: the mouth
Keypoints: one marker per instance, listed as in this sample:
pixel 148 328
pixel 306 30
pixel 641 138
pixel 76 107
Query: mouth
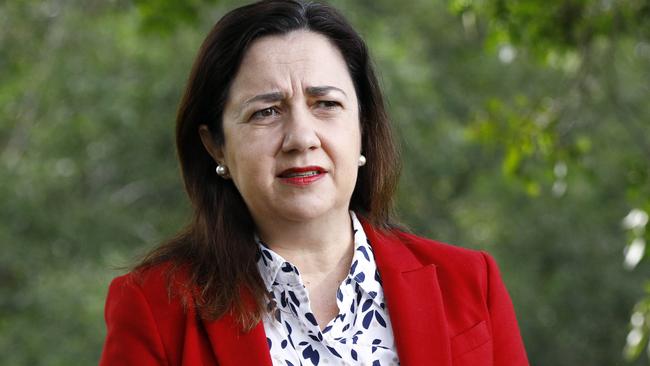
pixel 302 175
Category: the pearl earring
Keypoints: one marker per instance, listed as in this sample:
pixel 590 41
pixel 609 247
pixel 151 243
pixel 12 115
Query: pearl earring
pixel 222 171
pixel 362 160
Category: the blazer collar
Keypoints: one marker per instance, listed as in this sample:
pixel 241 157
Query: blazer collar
pixel 414 301
pixel 414 304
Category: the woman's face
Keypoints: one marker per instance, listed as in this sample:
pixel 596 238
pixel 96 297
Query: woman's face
pixel 291 127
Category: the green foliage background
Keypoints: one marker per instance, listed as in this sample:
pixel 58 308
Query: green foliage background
pixel 524 125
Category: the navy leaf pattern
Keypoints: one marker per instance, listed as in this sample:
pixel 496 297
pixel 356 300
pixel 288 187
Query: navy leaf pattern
pixel 366 305
pixel 360 277
pixel 283 299
pixel 311 318
pixel 293 297
pixel 287 267
pixel 354 267
pixel 367 319
pixel 267 255
pixel 310 354
pixel 364 251
pixel 333 351
pixel 293 334
pixel 380 319
pixel 377 278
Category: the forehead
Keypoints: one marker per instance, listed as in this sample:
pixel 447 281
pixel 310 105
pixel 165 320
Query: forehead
pixel 298 59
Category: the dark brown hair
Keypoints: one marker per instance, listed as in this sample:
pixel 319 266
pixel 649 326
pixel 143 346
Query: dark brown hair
pixel 217 248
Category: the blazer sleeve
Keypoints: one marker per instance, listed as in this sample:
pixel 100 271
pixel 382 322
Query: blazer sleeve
pixel 132 335
pixel 508 345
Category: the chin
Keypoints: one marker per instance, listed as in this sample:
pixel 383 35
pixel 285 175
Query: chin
pixel 302 212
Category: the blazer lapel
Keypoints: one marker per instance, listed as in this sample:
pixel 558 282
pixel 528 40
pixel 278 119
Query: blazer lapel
pixel 414 302
pixel 233 347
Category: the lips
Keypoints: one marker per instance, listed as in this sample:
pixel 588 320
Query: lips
pixel 302 175
pixel 302 172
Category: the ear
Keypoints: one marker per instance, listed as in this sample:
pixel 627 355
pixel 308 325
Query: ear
pixel 208 143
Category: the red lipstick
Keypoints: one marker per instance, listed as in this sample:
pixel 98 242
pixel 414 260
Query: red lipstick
pixel 302 176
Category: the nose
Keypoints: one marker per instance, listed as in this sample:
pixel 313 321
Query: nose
pixel 300 132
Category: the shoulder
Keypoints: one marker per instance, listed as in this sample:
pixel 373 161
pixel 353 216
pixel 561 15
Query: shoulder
pixel 151 279
pixel 428 249
pixel 457 269
pixel 444 255
pixel 160 289
pixel 147 314
pixel 468 281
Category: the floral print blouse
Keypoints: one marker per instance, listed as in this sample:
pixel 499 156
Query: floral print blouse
pixel 361 334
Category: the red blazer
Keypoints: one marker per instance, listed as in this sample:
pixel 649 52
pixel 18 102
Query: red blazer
pixel 448 306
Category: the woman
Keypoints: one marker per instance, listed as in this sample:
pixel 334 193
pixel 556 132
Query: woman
pixel 292 257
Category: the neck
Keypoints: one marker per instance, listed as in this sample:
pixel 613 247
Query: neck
pixel 314 246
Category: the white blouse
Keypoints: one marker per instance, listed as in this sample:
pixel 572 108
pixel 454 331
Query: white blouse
pixel 361 334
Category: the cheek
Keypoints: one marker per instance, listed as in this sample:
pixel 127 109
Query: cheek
pixel 354 138
pixel 242 149
pixel 245 164
pixel 348 147
pixel 252 164
pixel 245 174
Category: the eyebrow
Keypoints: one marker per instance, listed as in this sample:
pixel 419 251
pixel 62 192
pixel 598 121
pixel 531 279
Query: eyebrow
pixel 319 91
pixel 268 97
pixel 314 91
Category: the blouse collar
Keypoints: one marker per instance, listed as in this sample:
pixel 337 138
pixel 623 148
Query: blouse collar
pixel 276 271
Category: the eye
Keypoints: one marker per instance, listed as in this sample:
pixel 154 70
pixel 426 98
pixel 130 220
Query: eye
pixel 328 104
pixel 265 113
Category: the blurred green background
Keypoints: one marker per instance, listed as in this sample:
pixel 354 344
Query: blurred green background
pixel 524 125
